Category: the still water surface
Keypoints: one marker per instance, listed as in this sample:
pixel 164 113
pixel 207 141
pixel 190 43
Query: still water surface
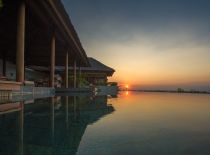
pixel 131 124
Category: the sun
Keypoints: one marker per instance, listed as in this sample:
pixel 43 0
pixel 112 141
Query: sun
pixel 126 86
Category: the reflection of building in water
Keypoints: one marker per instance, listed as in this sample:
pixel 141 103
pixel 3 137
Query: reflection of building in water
pixel 51 126
pixel 11 128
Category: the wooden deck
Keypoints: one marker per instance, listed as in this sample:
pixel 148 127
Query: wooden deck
pixel 10 85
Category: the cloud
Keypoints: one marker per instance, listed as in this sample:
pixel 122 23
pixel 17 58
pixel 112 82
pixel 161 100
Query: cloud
pixel 147 41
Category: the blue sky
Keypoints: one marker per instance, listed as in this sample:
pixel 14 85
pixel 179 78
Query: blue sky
pixel 162 43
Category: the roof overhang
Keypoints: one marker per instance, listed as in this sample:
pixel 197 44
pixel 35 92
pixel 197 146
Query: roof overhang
pixel 43 19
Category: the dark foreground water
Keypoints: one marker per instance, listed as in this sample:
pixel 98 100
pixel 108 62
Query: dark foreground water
pixel 130 124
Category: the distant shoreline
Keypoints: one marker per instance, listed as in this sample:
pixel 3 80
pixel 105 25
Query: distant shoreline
pixel 170 91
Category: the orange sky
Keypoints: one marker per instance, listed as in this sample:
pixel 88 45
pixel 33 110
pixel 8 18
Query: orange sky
pixel 140 63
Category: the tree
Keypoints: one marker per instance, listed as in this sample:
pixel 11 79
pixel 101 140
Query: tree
pixel 180 90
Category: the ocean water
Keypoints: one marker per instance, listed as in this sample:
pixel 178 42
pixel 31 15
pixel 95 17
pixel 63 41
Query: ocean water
pixel 131 123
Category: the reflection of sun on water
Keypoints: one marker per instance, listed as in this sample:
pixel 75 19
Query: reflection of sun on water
pixel 126 93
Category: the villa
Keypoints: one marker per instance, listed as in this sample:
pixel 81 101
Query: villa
pixel 41 51
pixel 36 32
pixel 96 75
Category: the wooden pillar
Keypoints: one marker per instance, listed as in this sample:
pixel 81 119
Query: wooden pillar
pixel 67 71
pixel 75 74
pixel 80 76
pixel 4 65
pixel 20 43
pixel 52 61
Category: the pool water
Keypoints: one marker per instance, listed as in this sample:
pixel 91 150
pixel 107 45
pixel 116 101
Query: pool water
pixel 132 123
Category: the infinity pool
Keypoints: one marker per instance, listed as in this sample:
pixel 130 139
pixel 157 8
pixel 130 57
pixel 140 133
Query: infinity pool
pixel 132 123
